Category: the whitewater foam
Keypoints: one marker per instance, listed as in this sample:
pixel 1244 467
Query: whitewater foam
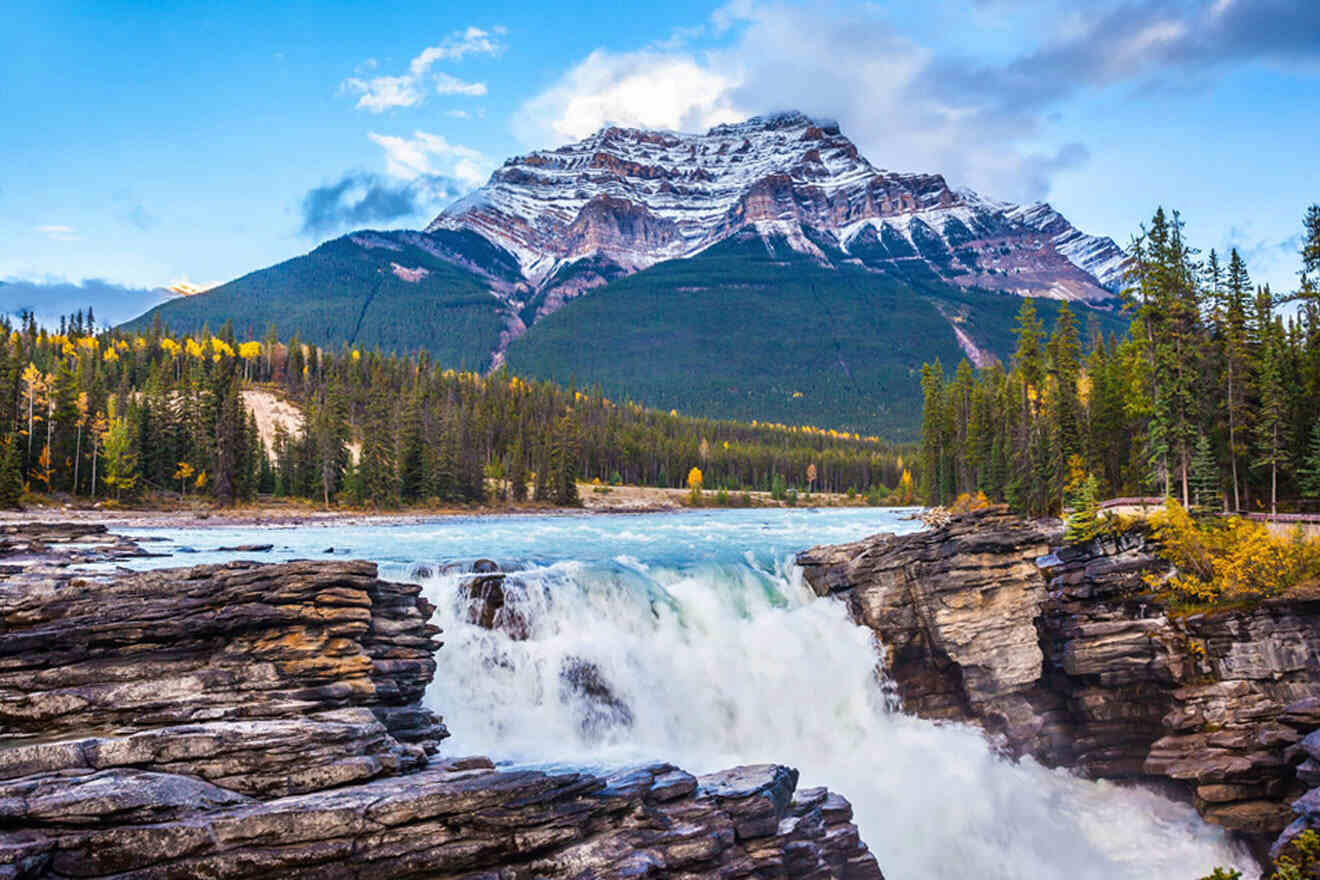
pixel 717 663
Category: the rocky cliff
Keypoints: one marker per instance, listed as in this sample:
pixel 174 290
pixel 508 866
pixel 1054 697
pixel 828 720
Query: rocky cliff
pixel 249 720
pixel 1069 658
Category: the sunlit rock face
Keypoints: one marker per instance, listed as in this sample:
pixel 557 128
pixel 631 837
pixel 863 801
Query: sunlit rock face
pixel 1069 657
pixel 636 197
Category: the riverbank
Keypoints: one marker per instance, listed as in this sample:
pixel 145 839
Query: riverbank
pixel 173 512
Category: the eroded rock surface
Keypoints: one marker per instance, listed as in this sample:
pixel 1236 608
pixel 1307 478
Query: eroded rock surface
pixel 248 720
pixel 1074 662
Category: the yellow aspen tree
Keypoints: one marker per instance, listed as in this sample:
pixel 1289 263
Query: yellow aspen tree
pixel 34 390
pixel 694 482
pixel 184 472
pixel 82 405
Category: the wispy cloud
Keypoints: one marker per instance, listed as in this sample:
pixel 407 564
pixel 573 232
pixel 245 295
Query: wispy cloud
pixel 426 154
pixel 59 233
pixel 380 93
pixel 452 85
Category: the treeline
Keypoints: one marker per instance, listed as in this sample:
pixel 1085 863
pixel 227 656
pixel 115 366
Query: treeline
pixel 97 412
pixel 1213 396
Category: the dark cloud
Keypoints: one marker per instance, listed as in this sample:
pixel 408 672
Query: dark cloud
pixel 1161 43
pixel 360 198
pixel 48 300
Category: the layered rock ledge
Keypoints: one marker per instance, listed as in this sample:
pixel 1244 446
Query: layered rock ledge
pixel 1069 658
pixel 248 720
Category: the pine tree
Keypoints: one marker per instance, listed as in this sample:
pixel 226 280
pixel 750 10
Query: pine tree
pixel 1272 429
pixel 11 480
pixel 934 436
pixel 1205 476
pixel 1236 298
pixel 1083 522
pixel 120 460
pixel 518 471
pixel 565 456
pixel 377 465
pixel 1308 475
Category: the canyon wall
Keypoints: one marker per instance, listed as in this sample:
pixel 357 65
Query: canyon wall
pixel 1067 657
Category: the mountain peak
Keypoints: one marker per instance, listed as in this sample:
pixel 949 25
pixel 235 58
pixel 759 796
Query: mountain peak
pixel 784 119
pixel 635 197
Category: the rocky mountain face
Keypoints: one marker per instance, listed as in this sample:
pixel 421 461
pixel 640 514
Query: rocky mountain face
pixel 1067 657
pixel 254 721
pixel 632 198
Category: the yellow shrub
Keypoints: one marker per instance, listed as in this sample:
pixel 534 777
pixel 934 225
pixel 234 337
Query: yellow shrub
pixel 1228 559
pixel 965 503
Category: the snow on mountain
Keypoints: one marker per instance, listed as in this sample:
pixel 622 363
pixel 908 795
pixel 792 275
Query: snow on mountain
pixel 636 197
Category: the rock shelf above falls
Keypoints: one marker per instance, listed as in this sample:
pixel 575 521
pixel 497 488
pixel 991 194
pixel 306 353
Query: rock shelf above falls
pixel 1078 665
pixel 248 720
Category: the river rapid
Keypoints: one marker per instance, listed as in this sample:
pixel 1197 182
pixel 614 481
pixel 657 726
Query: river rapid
pixel 691 638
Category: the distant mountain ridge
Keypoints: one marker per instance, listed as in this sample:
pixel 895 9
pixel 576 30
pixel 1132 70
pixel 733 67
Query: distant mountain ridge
pixel 636 197
pixel 822 282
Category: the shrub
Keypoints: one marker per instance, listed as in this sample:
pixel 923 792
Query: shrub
pixel 1300 858
pixel 1228 559
pixel 966 503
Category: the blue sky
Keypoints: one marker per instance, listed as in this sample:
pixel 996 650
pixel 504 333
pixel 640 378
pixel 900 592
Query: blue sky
pixel 191 143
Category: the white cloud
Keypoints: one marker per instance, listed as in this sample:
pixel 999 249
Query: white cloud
pixel 473 41
pixel 380 93
pixel 430 155
pixel 984 124
pixel 383 92
pixel 648 88
pixel 59 233
pixel 452 85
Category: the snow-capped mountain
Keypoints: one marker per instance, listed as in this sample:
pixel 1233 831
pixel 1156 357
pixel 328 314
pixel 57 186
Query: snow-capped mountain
pixel 630 198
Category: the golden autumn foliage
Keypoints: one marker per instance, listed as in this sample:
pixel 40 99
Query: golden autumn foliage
pixel 965 503
pixel 1229 559
pixel 906 490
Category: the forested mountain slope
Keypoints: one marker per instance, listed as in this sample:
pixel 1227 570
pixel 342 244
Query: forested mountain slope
pixel 763 270
pixel 744 331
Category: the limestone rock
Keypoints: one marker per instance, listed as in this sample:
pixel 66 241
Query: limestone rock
pixel 1073 662
pixel 254 721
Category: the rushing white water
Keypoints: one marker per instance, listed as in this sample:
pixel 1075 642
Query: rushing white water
pixel 690 638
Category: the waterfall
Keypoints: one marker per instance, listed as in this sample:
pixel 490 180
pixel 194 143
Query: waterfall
pixel 716 661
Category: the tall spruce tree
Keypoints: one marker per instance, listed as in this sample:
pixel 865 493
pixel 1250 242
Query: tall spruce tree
pixel 1309 473
pixel 11 480
pixel 1205 476
pixel 1272 428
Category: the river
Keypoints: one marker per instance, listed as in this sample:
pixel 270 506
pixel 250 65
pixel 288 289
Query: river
pixel 690 637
